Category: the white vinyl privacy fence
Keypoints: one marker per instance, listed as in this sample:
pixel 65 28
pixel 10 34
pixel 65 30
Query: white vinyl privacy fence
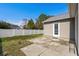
pixel 17 32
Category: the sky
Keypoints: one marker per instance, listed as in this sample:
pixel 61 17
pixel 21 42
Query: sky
pixel 15 12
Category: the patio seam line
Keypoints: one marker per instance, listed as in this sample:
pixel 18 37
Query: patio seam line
pixel 42 52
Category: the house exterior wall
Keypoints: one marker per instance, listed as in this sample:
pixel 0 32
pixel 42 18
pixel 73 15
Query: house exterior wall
pixel 72 9
pixel 67 29
pixel 48 29
pixel 77 28
pixel 72 29
pixel 64 30
pixel 75 12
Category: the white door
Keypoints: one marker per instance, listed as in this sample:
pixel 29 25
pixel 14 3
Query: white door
pixel 56 29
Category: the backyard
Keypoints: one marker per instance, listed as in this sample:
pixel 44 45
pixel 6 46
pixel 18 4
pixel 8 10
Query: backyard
pixel 10 46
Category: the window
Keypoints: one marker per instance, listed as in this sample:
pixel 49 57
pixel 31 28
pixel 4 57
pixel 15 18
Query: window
pixel 56 29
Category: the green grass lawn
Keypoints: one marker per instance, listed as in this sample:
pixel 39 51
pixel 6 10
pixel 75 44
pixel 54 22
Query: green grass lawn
pixel 11 45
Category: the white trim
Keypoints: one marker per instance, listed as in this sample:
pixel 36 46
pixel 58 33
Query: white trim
pixel 54 35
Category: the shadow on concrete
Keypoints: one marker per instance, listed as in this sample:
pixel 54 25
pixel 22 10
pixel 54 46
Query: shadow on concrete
pixel 1 52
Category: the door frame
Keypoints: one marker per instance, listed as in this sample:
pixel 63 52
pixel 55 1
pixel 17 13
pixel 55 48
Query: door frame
pixel 54 35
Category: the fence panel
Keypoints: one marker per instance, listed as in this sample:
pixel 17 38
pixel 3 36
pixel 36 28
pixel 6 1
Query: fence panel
pixel 17 32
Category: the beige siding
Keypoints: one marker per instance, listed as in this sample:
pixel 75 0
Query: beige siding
pixel 64 29
pixel 67 29
pixel 48 29
pixel 72 8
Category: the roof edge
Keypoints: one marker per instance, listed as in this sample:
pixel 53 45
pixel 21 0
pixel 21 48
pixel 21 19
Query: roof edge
pixel 58 17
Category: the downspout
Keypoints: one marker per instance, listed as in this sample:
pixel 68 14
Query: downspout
pixel 76 29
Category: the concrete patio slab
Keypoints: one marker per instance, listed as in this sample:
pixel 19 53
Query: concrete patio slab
pixel 49 52
pixel 40 40
pixel 33 50
pixel 56 51
pixel 46 47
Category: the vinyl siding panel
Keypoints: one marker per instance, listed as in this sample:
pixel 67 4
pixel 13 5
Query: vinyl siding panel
pixel 48 29
pixel 67 29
